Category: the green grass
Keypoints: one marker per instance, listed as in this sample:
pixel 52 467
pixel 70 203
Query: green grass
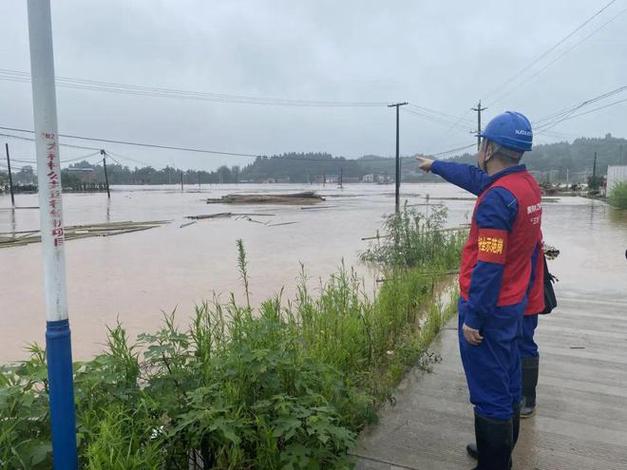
pixel 288 385
pixel 618 196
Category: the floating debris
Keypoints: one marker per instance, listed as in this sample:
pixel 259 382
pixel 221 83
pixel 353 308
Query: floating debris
pixel 308 197
pixel 226 215
pixel 219 215
pixel 73 232
pixel 187 224
pixel 318 207
pixel 282 223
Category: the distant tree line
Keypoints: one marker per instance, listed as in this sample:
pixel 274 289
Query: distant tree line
pixel 555 161
pixel 573 160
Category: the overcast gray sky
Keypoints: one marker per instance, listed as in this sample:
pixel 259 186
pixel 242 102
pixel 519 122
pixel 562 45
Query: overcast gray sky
pixel 443 55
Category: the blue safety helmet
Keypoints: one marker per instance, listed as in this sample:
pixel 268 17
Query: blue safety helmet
pixel 511 130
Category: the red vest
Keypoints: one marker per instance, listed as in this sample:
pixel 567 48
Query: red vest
pixel 523 239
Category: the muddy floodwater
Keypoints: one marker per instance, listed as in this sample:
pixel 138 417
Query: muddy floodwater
pixel 135 277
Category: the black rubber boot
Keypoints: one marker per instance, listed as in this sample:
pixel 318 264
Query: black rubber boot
pixel 530 370
pixel 471 449
pixel 494 443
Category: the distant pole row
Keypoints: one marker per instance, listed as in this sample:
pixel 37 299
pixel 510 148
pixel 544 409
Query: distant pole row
pixel 104 164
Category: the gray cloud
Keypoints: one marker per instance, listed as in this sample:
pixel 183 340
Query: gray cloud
pixel 443 55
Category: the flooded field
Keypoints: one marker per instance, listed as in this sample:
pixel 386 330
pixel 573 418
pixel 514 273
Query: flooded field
pixel 136 276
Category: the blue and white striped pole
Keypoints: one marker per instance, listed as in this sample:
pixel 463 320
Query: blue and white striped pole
pixel 58 343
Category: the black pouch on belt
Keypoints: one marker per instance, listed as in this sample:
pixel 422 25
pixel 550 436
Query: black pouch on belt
pixel 550 301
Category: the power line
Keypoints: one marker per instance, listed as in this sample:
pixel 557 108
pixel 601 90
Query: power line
pixel 168 147
pixel 554 119
pixel 30 139
pixel 435 113
pixel 69 160
pixel 136 144
pixel 458 149
pixel 566 51
pixel 520 72
pixel 573 116
pixel 435 119
pixel 140 90
pixel 123 157
pixel 462 117
pixel 453 150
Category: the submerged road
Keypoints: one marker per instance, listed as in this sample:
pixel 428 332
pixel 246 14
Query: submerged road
pixel 581 419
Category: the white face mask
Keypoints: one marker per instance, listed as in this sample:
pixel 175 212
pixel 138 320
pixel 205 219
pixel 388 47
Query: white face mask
pixel 481 164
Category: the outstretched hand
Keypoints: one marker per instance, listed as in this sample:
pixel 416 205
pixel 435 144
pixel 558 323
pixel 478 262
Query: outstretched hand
pixel 424 163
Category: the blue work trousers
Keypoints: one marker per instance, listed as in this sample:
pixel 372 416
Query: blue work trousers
pixel 493 369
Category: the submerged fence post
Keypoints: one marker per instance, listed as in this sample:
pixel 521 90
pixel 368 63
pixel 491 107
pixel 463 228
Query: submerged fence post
pixel 58 342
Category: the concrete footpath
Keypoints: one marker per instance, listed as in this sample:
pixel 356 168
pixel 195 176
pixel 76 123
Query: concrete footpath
pixel 581 419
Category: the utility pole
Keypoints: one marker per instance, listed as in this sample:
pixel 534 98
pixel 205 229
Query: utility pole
pixel 478 109
pixel 6 147
pixel 397 199
pixel 182 181
pixel 104 165
pixel 58 341
pixel 594 168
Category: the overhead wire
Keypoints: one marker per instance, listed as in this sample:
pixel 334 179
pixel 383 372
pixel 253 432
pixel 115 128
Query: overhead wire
pixel 135 144
pixel 435 119
pixel 140 90
pixel 555 118
pixel 432 112
pixel 507 93
pixel 31 139
pixel 69 160
pixel 520 73
pixel 544 129
pixel 453 150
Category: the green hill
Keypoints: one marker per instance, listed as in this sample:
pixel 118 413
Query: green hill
pixel 573 160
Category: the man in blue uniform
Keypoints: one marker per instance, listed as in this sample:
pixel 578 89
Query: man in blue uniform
pixel 497 274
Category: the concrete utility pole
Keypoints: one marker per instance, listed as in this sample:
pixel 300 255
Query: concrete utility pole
pixel 6 147
pixel 58 342
pixel 398 157
pixel 104 165
pixel 478 109
pixel 594 167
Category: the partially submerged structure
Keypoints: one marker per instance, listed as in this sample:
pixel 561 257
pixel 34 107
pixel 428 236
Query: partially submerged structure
pixel 307 197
